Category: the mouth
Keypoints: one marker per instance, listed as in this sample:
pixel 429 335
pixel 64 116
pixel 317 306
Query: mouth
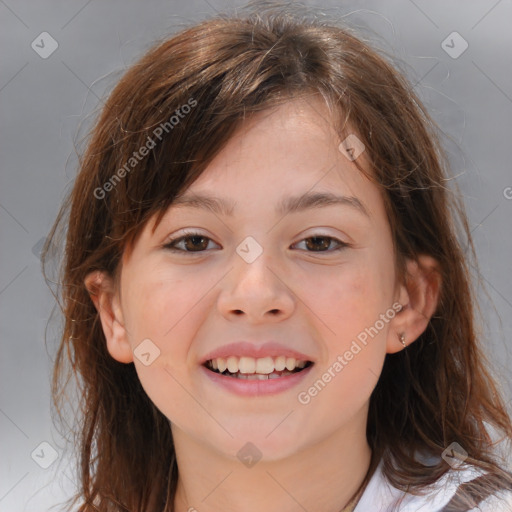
pixel 249 368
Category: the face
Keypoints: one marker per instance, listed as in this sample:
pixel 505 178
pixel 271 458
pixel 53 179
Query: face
pixel 266 282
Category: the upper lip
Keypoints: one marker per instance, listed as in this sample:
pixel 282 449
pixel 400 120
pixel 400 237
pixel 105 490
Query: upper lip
pixel 248 349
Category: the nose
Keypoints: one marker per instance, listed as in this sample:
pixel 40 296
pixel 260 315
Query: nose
pixel 257 292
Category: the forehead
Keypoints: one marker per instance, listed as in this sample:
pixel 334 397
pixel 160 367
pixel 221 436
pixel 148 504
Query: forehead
pixel 293 148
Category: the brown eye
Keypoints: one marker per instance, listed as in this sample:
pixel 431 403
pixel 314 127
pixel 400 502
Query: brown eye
pixel 317 242
pixel 194 242
pixel 322 244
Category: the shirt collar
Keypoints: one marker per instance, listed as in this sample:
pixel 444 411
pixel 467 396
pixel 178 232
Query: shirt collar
pixel 382 496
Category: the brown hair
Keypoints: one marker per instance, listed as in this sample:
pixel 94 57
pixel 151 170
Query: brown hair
pixel 435 392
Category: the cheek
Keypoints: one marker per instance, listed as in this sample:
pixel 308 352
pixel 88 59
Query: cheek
pixel 350 302
pixel 351 297
pixel 355 344
pixel 158 329
pixel 158 305
pixel 160 323
pixel 168 387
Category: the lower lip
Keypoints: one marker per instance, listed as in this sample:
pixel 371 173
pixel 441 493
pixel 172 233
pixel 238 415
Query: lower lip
pixel 245 387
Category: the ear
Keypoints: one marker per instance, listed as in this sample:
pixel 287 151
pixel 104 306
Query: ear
pixel 100 286
pixel 419 296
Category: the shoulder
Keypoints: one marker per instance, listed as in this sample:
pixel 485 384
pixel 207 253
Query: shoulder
pixel 499 503
pixel 382 496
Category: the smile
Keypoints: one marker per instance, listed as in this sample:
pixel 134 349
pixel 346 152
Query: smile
pixel 249 368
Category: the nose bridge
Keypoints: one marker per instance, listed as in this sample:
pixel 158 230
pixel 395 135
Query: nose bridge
pixel 254 263
pixel 255 286
pixel 250 250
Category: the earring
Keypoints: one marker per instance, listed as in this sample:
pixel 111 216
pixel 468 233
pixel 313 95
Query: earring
pixel 402 339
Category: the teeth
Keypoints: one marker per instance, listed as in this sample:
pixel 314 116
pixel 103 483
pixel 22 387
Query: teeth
pixel 290 363
pixel 247 365
pixel 264 365
pixel 256 368
pixel 280 363
pixel 259 376
pixel 221 364
pixel 232 364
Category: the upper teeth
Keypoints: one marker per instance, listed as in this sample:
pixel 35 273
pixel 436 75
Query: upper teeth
pixel 264 365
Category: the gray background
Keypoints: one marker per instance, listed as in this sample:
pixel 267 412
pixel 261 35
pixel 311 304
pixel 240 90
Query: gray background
pixel 43 101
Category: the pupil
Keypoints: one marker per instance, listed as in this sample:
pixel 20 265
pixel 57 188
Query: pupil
pixel 193 245
pixel 325 244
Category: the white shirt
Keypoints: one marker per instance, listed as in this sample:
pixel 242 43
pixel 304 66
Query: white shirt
pixel 380 495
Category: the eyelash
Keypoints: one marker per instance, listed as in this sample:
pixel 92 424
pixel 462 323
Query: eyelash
pixel 171 244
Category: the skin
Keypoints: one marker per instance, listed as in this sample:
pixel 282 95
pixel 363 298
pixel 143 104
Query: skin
pixel 188 304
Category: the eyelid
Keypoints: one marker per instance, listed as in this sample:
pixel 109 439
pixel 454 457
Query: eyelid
pixel 325 232
pixel 186 233
pixel 340 243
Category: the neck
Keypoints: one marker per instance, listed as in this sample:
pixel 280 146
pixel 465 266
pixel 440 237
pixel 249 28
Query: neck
pixel 323 477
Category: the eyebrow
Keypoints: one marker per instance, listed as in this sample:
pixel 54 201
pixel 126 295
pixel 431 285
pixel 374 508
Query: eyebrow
pixel 290 204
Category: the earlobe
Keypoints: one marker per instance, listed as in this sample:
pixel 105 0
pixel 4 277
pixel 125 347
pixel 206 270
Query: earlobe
pixel 419 297
pixel 101 289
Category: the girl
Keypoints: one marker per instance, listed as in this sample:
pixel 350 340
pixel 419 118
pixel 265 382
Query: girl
pixel 265 298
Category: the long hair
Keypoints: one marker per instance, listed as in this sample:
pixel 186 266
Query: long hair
pixel 437 391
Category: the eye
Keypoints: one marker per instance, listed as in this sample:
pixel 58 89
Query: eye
pixel 321 243
pixel 191 242
pixel 197 242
